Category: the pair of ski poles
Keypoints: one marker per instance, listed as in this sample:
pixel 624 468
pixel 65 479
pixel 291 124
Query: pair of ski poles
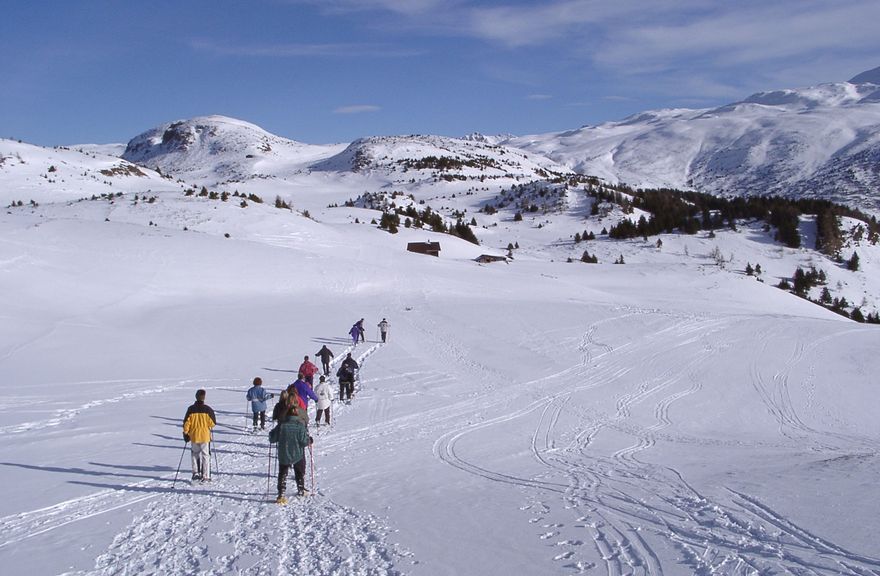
pixel 270 471
pixel 210 450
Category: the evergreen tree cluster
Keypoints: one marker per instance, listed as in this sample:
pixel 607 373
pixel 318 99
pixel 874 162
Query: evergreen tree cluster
pixel 447 163
pixel 804 280
pixel 690 212
pixel 532 197
pixel 579 237
pixel 586 257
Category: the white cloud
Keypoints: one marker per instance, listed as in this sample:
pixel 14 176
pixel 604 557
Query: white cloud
pixel 539 97
pixel 357 109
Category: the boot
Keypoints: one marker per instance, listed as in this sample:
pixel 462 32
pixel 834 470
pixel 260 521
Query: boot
pixel 282 499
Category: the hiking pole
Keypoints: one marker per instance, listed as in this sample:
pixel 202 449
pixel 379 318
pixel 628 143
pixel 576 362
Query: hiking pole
pixel 211 449
pixel 312 464
pixel 246 405
pixel 179 463
pixel 269 471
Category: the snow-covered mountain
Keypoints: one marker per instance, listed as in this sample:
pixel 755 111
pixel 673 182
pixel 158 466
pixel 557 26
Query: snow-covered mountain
pixel 440 157
pixel 816 142
pixel 216 149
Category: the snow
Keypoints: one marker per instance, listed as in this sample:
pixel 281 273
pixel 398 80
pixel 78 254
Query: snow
pixel 818 142
pixel 666 416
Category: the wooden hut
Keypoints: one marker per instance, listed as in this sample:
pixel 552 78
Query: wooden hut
pixel 430 248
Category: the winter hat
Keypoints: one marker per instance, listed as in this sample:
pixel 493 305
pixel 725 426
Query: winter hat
pixel 322 379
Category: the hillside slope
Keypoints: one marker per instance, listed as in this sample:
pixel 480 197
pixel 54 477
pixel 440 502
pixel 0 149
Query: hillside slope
pixel 817 142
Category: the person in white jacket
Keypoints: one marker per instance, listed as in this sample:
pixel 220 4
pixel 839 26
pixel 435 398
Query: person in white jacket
pixel 322 389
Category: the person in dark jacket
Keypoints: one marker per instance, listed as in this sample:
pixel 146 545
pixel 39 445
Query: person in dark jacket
pixel 292 439
pixel 197 425
pixel 285 401
pixel 325 355
pixel 346 375
pixel 281 406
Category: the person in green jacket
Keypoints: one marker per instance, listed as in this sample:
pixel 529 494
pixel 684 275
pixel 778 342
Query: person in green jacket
pixel 292 438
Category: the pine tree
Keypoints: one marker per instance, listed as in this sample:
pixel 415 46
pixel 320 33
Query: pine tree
pixel 853 263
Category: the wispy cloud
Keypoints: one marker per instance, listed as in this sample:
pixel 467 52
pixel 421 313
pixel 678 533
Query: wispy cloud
pixel 718 48
pixel 763 33
pixel 539 97
pixel 295 50
pixel 357 109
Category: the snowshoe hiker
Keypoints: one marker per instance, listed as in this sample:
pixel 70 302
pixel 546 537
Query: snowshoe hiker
pixel 355 334
pixel 322 389
pixel 197 425
pixel 281 406
pixel 325 355
pixel 308 370
pixel 292 437
pixel 360 327
pixel 257 396
pixel 300 392
pixel 383 329
pixel 346 375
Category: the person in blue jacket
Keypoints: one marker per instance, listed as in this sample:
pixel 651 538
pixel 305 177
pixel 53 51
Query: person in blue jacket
pixel 257 396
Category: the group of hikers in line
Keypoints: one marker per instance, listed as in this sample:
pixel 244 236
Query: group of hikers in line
pixel 290 413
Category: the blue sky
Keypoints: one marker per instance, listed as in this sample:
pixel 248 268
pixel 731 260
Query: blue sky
pixel 322 71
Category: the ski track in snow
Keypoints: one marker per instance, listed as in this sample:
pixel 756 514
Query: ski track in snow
pixel 67 414
pixel 625 507
pixel 595 511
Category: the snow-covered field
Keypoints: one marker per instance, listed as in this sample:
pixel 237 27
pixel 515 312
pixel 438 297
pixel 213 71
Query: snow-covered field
pixel 538 417
pixel 671 415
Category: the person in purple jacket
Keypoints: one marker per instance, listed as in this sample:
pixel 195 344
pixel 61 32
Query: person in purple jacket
pixel 355 334
pixel 303 391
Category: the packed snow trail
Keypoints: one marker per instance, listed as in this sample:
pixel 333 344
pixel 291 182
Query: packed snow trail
pixel 232 525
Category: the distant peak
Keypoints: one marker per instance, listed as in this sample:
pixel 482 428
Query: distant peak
pixel 870 77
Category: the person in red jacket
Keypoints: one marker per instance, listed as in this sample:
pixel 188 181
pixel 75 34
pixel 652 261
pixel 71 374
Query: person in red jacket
pixel 308 370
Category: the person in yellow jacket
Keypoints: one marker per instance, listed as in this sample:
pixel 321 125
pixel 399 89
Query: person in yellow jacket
pixel 197 425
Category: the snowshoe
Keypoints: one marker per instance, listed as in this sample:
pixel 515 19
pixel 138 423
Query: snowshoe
pixel 281 500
